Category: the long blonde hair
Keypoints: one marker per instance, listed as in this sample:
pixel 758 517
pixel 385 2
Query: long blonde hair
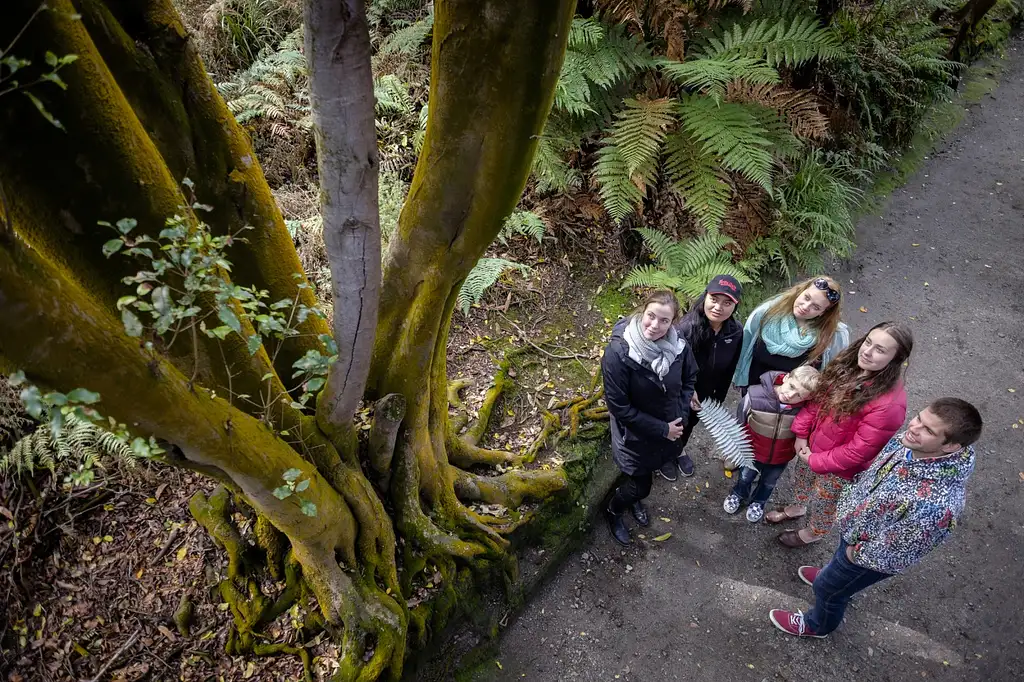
pixel 825 324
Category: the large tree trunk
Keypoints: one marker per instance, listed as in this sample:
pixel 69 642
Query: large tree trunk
pixel 139 115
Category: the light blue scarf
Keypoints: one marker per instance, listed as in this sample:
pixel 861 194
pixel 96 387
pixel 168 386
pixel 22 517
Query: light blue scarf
pixel 781 336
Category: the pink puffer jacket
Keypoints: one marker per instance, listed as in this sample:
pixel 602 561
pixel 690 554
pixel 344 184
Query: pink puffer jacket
pixel 847 447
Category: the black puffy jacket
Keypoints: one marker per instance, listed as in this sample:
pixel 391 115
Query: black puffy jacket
pixel 641 405
pixel 716 357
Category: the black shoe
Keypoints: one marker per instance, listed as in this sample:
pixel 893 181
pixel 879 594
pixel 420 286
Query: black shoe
pixel 640 514
pixel 668 471
pixel 685 465
pixel 617 526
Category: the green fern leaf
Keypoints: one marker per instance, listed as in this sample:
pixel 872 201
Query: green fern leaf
pixel 618 190
pixel 712 75
pixel 733 132
pixel 639 131
pixel 483 275
pixel 525 223
pixel 697 175
pixel 790 42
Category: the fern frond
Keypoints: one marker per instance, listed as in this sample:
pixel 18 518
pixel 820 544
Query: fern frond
pixel 525 223
pixel 789 42
pixel 799 108
pixel 640 129
pixel 712 75
pixel 483 275
pixel 732 132
pixel 619 192
pixel 79 443
pixel 697 175
pixel 392 95
pixel 410 39
pixel 650 277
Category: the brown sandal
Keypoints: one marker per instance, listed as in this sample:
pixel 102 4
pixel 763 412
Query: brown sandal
pixel 792 539
pixel 780 515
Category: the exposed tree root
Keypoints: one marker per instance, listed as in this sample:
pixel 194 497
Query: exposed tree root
pixel 501 382
pixel 509 489
pixel 463 454
pixel 387 420
pixel 458 422
pixel 550 425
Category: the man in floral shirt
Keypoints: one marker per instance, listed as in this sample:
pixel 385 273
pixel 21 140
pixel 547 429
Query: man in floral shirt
pixel 902 507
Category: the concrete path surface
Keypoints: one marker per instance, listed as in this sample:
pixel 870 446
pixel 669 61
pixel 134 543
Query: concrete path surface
pixel 946 255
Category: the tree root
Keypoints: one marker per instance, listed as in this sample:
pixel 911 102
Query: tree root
pixel 551 423
pixel 501 382
pixel 455 400
pixel 464 454
pixel 511 488
pixel 387 420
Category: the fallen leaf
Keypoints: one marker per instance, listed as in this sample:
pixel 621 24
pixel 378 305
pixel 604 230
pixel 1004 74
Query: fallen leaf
pixel 863 308
pixel 150 500
pixel 80 649
pixel 915 245
pixel 662 538
pixel 108 538
pixel 1012 390
pixel 166 633
pixel 1021 474
pixel 182 552
pixel 498 663
pixel 97 540
pixel 250 670
pixel 160 489
pixel 138 575
pixel 728 473
pixel 666 519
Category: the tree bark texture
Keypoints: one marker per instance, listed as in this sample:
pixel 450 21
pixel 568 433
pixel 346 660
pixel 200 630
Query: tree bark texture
pixel 341 94
pixel 140 114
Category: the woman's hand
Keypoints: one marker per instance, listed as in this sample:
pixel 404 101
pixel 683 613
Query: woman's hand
pixel 675 429
pixel 804 453
pixel 695 402
pixel 799 444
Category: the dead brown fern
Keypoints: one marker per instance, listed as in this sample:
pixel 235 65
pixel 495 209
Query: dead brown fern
pixel 799 108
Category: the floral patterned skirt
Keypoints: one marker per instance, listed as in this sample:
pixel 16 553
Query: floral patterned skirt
pixel 819 493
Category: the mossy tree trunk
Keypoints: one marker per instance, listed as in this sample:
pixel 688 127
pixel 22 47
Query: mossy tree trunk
pixel 139 115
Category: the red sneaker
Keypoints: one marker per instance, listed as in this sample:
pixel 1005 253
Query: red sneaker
pixel 808 574
pixel 792 623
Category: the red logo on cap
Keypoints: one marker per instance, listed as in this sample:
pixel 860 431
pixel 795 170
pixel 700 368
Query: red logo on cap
pixel 727 283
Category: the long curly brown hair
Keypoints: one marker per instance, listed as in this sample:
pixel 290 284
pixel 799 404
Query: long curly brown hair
pixel 825 324
pixel 843 390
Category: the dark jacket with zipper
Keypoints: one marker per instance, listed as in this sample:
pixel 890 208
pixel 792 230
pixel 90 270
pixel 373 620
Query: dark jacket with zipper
pixel 716 357
pixel 641 405
pixel 769 423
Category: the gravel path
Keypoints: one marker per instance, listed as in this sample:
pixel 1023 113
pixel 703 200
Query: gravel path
pixel 946 256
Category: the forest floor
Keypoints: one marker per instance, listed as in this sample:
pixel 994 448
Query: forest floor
pixel 946 254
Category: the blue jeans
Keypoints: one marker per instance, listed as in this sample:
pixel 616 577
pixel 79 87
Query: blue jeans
pixel 834 587
pixel 769 474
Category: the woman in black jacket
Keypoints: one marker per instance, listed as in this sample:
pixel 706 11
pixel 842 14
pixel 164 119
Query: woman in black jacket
pixel 715 338
pixel 649 375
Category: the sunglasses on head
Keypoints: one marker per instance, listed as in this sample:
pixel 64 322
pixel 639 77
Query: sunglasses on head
pixel 831 294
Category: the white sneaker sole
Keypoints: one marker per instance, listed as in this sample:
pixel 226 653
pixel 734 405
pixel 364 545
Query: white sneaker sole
pixel 800 574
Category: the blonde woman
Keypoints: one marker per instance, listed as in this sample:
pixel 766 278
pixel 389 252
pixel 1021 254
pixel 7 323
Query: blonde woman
pixel 800 326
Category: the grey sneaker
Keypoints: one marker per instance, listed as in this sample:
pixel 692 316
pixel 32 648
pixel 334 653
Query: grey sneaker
pixel 755 512
pixel 731 504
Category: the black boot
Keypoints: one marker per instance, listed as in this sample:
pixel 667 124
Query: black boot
pixel 617 526
pixel 640 514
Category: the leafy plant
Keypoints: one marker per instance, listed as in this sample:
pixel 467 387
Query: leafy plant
pixel 73 453
pixel 813 215
pixel 525 223
pixel 294 486
pixel 11 65
pixel 484 274
pixel 891 67
pixel 686 266
pixel 251 28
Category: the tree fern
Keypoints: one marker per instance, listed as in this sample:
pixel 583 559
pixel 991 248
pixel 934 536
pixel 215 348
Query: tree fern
pixel 732 132
pixel 274 87
pixel 483 275
pixel 392 96
pixel 783 42
pixel 800 109
pixel 640 129
pixel 686 266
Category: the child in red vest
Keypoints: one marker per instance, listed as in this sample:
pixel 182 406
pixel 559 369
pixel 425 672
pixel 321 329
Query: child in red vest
pixel 767 412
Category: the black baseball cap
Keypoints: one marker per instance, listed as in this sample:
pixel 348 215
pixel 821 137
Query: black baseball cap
pixel 726 285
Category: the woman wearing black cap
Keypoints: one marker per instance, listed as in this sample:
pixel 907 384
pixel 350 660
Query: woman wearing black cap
pixel 715 339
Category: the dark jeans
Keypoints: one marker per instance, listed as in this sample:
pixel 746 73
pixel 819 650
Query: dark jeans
pixel 834 587
pixel 769 475
pixel 634 489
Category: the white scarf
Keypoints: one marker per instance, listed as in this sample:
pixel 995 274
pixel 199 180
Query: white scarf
pixel 658 354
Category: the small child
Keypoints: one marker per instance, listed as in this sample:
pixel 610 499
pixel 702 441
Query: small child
pixel 767 412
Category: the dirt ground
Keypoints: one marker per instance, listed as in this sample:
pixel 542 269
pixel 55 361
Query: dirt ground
pixel 945 255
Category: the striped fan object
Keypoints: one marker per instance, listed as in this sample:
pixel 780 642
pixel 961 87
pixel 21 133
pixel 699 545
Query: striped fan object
pixel 732 440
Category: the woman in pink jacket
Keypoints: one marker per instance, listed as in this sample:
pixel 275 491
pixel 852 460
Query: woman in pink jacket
pixel 858 406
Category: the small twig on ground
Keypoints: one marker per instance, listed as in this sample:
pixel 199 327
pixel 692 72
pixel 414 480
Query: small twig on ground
pixel 524 337
pixel 117 654
pixel 166 548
